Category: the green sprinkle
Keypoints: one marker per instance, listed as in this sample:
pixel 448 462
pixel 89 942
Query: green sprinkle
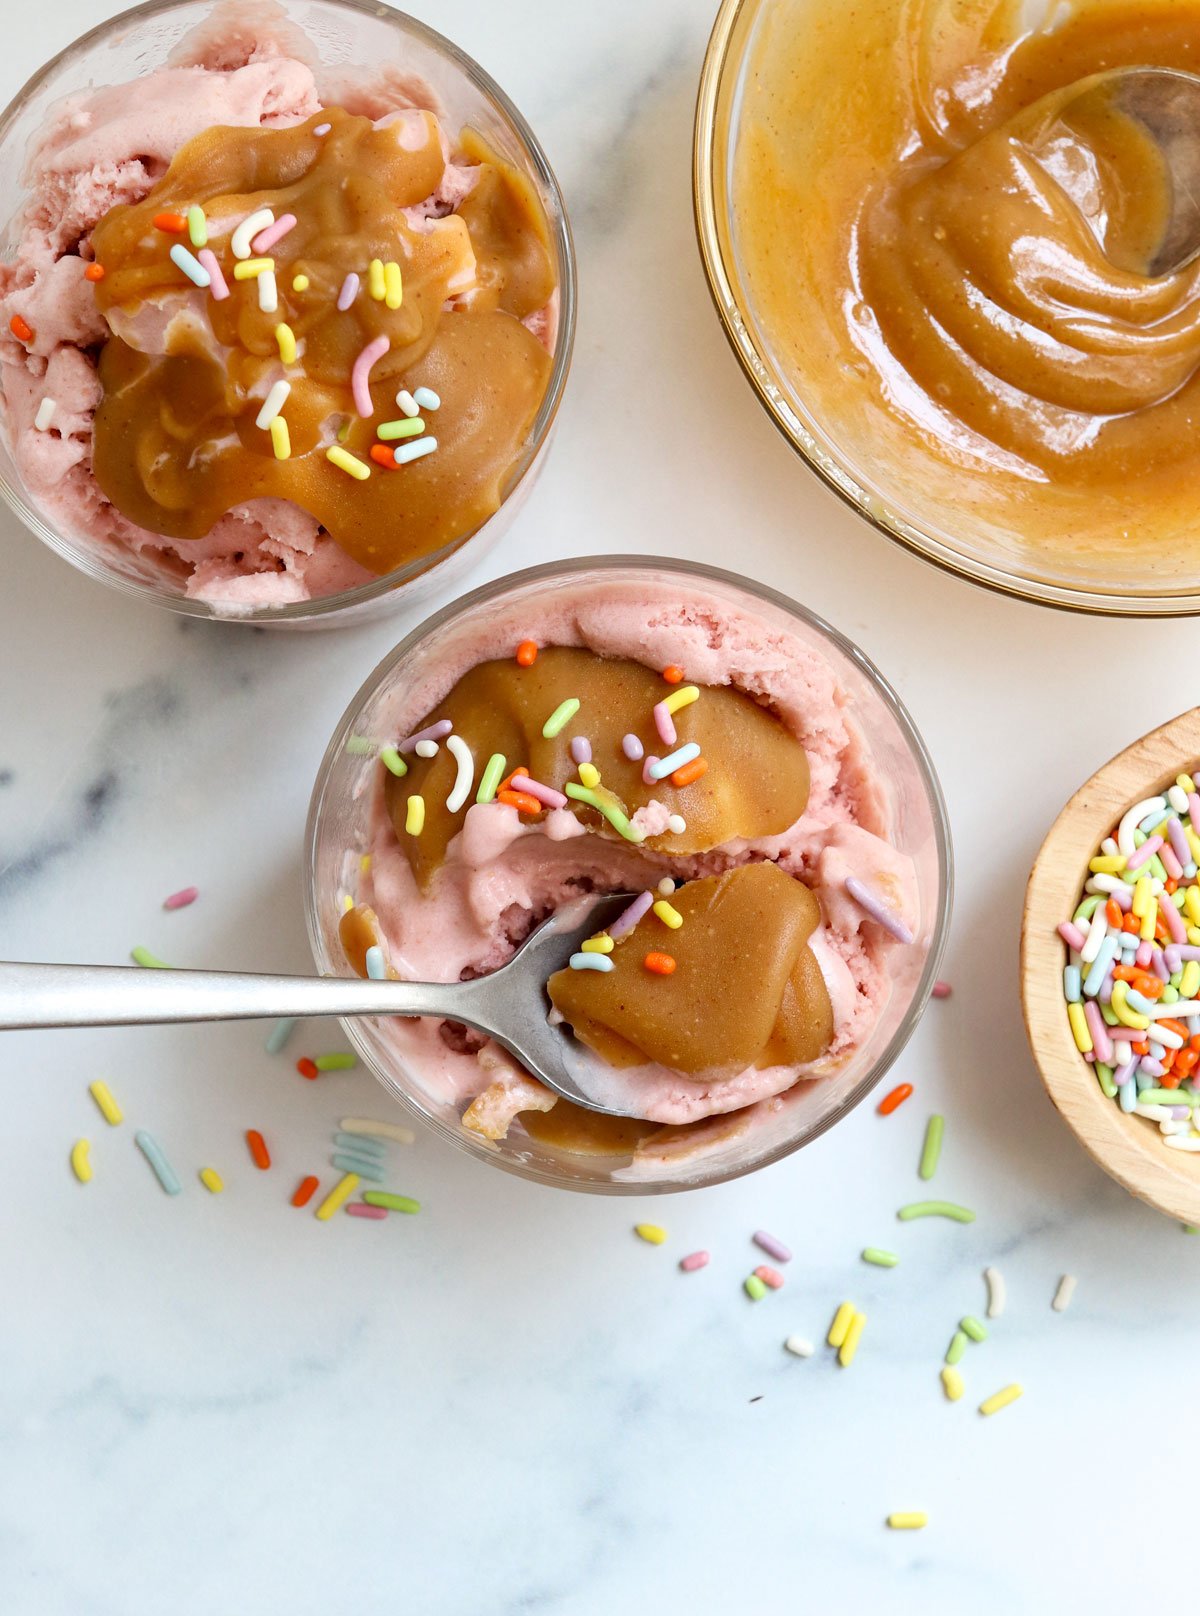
pixel 1104 1076
pixel 343 432
pixel 755 1289
pixel 392 761
pixel 611 812
pixel 1170 995
pixel 394 1203
pixel 360 746
pixel 560 718
pixel 197 226
pixel 972 1327
pixel 401 429
pixel 1167 1097
pixel 490 778
pixel 143 956
pixel 881 1259
pixel 958 1345
pixel 935 1209
pixel 932 1149
pixel 1190 1228
pixel 335 1062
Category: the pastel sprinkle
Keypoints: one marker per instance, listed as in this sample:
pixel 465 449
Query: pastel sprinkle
pixel 676 824
pixel 243 234
pixel 276 398
pixel 212 1180
pixel 490 778
pixel 908 1520
pixel 841 1324
pixel 661 767
pixel 799 1346
pixel 465 776
pixel 690 773
pixel 931 1150
pixel 106 1104
pixel 251 268
pixel 694 1261
pixel 361 1144
pixel 281 439
pixel 659 964
pixel 414 818
pixel 632 748
pixel 80 1165
pixel 673 674
pixel 322 129
pixel 407 405
pixel 391 431
pixel 617 819
pixel 591 962
pixel 952 1382
pixel 197 226
pixel 426 399
pixel 996 1292
pixel 150 962
pixel 21 328
pixel 375 282
pixel 218 286
pixel 972 1329
pixel 754 1287
pixel 896 1098
pixel 280 1033
pixel 600 944
pixel 560 718
pixel 664 724
pixel 683 697
pixel 348 292
pixel 668 914
pixel 1064 1293
pixel 268 292
pixel 393 284
pixel 344 461
pixel 339 1061
pixel 392 1203
pixel 1001 1399
pixel 304 1190
pixel 285 339
pixel 156 1156
pixel 417 449
pixel 878 911
pixel 589 775
pixel 360 372
pixel 190 265
pixel 653 1233
pixel 771 1277
pixel 581 750
pixel 266 239
pixel 362 1166
pixel 936 1209
pixel 357 1209
pixel 426 749
pixel 373 960
pixel 546 795
pixel 849 1347
pixel 629 917
pixel 45 415
pixel 771 1245
pixel 182 898
pixel 300 283
pixel 259 1154
pixel 337 1197
pixel 942 990
pixel 958 1345
pixel 879 1257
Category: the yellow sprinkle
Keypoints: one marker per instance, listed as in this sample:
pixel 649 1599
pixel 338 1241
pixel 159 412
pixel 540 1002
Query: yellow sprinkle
pixel 248 268
pixel 414 819
pixel 300 283
pixel 1191 902
pixel 841 1323
pixel 999 1400
pixel 1120 1009
pixel 1193 842
pixel 286 338
pixel 911 1520
pixel 393 285
pixel 376 284
pixel 952 1382
pixel 652 1233
pixel 684 696
pixel 212 1180
pixel 1142 900
pixel 853 1336
pixel 1190 980
pixel 1185 782
pixel 1193 936
pixel 281 438
pixel 603 944
pixel 668 914
pixel 1146 935
pixel 1107 864
pixel 338 1196
pixel 1080 1030
pixel 347 903
pixel 589 775
pixel 364 863
pixel 109 1109
pixel 345 461
pixel 80 1166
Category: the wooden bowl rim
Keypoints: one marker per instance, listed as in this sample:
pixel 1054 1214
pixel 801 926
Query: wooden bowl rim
pixel 1129 1149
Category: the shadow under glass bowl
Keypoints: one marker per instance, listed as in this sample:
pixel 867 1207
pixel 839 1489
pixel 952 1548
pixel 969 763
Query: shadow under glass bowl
pixel 341 36
pixel 1000 561
pixel 339 826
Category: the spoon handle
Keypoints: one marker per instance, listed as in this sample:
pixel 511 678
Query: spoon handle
pixel 121 996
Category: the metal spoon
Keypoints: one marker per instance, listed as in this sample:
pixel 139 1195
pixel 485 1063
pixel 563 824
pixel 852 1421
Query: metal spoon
pixel 511 1005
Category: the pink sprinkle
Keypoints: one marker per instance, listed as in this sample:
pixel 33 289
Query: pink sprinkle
pixel 1144 955
pixel 535 788
pixel 664 724
pixel 181 899
pixel 1172 919
pixel 647 777
pixel 769 1276
pixel 360 1209
pixel 322 129
pixel 1145 851
pixel 434 732
pixel 1194 810
pixel 697 1259
pixel 360 370
pixel 1171 864
pixel 628 918
pixel 581 749
pixel 1101 1042
pixel 772 1246
pixel 866 899
pixel 1179 841
pixel 942 990
pixel 218 285
pixel 348 292
pixel 1071 935
pixel 266 239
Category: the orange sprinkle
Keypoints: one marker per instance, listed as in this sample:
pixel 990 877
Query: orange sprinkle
pixel 527 653
pixel 660 964
pixel 173 223
pixel 1169 1079
pixel 673 674
pixel 1172 884
pixel 1113 912
pixel 506 783
pixel 1150 987
pixel 1131 924
pixel 383 455
pixel 690 772
pixel 94 272
pixel 1185 1060
pixel 1124 973
pixel 304 1191
pixel 258 1148
pixel 896 1098
pixel 1174 1026
pixel 307 1068
pixel 521 801
pixel 1141 1048
pixel 21 329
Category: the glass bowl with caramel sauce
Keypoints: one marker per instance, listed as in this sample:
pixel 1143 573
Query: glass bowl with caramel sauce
pixel 133 462
pixel 808 690
pixel 906 248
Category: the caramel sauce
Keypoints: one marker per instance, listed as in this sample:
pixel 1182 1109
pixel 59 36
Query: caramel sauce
pixel 184 374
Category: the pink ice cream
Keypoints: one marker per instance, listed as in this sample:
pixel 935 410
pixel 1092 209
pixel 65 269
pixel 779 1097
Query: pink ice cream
pixel 502 875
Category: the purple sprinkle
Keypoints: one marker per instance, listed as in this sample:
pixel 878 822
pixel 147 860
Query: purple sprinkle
pixel 348 292
pixel 942 990
pixel 322 129
pixel 434 732
pixel 1171 958
pixel 1178 1112
pixel 628 918
pixel 1123 898
pixel 1123 1073
pixel 1159 964
pixel 772 1247
pixel 1151 1067
pixel 581 749
pixel 1071 935
pixel 535 788
pixel 1194 810
pixel 1178 840
pixel 1187 951
pixel 664 724
pixel 867 900
pixel 632 748
pixel 648 764
pixel 1146 851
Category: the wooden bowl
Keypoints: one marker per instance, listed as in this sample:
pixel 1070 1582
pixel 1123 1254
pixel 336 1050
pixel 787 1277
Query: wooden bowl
pixel 1130 1149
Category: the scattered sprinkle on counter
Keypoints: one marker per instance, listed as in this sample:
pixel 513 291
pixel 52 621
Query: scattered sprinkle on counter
pixel 694 1261
pixel 259 1153
pixel 279 1034
pixel 1001 1399
pixel 307 1068
pixel 212 1180
pixel 879 1258
pixel 913 1520
pixel 799 1346
pixel 972 1329
pixel 952 1383
pixel 653 1233
pixel 378 1130
pixel 942 990
pixel 339 1061
pixel 754 1287
pixel 931 1150
pixel 106 1103
pixel 80 1164
pixel 773 1247
pixel 360 1209
pixel 157 1157
pixel 896 1098
pixel 997 1293
pixel 840 1325
pixel 181 899
pixel 305 1190
pixel 390 1202
pixel 337 1197
pixel 151 962
pixel 849 1347
pixel 1064 1293
pixel 936 1209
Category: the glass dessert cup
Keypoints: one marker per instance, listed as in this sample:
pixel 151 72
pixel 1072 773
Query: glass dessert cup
pixel 1122 582
pixel 344 35
pixel 339 825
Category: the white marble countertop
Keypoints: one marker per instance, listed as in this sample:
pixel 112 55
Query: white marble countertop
pixel 509 1404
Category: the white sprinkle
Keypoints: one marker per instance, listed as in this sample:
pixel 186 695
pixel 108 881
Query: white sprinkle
pixel 996 1292
pixel 799 1347
pixel 376 969
pixel 268 292
pixel 666 886
pixel 1181 1142
pixel 466 772
pixel 426 749
pixel 414 449
pixel 240 240
pixel 272 404
pixel 407 403
pixel 426 399
pixel 1064 1293
pixel 45 414
pixel 677 824
pixel 377 1130
pixel 322 129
